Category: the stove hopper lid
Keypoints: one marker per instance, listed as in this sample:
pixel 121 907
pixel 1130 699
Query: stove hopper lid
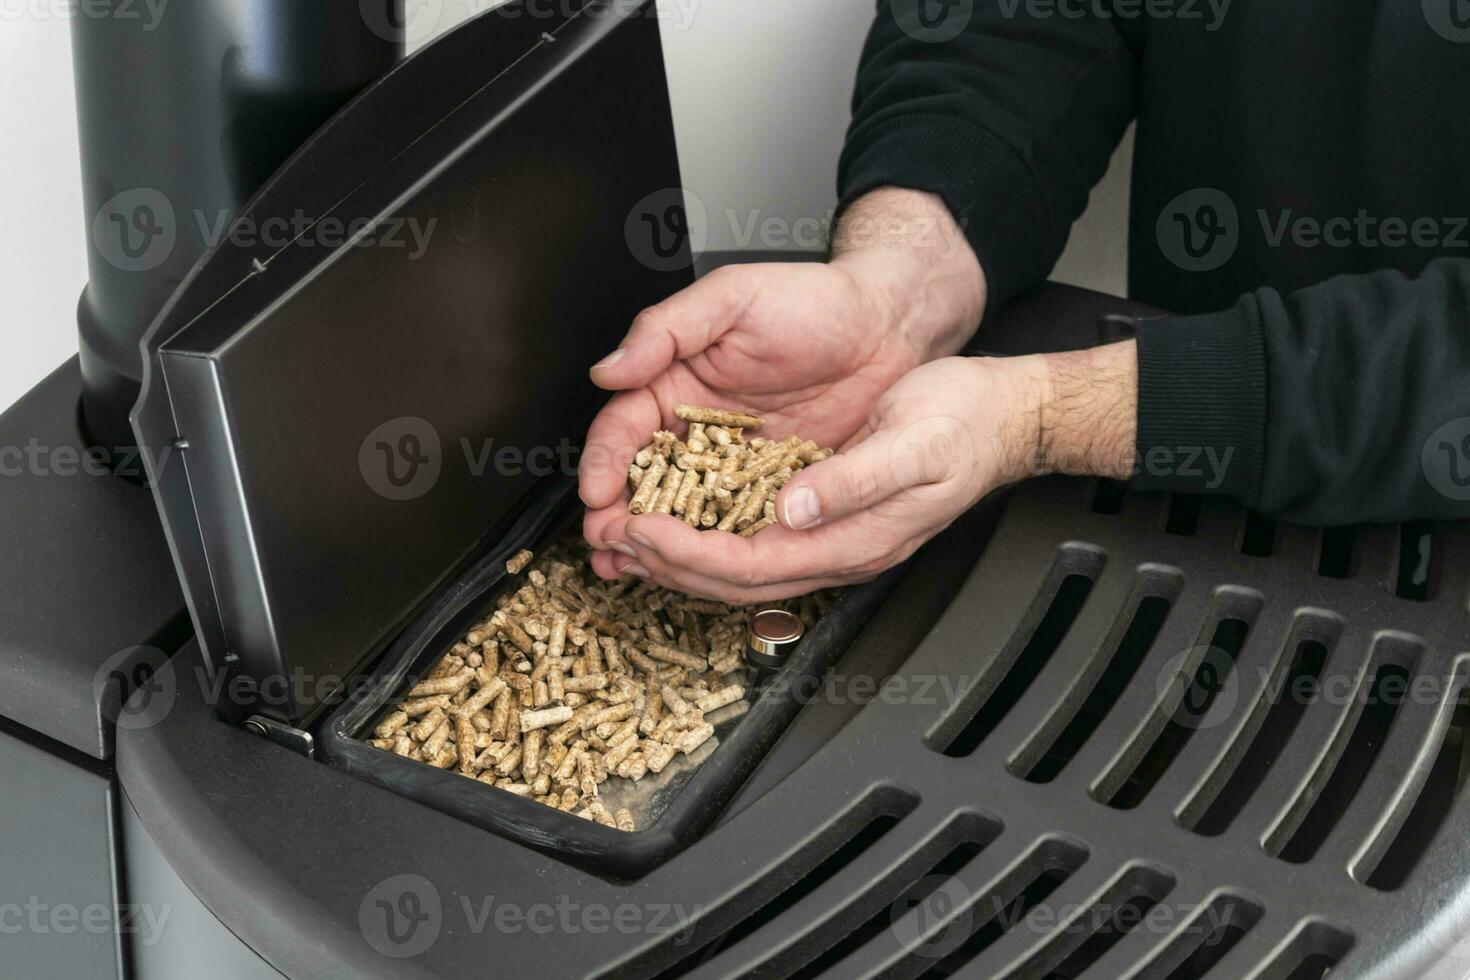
pixel 333 423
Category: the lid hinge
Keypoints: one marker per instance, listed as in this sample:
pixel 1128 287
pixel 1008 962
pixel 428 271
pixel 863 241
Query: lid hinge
pixel 292 738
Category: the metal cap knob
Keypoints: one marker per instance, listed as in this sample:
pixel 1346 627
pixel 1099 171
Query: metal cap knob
pixel 771 636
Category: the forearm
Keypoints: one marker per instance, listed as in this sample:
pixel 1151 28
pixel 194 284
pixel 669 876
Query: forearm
pixel 907 251
pixel 1341 403
pixel 1074 413
pixel 1347 402
pixel 1089 412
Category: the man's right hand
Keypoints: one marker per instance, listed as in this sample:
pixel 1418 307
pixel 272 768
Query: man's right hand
pixel 809 346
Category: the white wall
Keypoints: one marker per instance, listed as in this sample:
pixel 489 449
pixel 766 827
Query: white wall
pixel 760 91
pixel 43 259
pixel 1097 253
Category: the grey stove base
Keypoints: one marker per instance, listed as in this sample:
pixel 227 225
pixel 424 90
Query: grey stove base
pixel 175 935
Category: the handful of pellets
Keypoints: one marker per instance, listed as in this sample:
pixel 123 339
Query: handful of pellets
pixel 573 681
pixel 714 479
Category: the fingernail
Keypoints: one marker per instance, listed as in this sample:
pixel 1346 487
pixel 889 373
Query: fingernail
pixel 610 359
pixel 802 509
pixel 636 569
pixel 623 548
pixel 640 539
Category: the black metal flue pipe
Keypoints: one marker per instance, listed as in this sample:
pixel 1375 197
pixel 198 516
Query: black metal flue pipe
pixel 185 108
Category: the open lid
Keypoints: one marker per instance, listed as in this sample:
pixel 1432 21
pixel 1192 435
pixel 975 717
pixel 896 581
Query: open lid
pixel 390 347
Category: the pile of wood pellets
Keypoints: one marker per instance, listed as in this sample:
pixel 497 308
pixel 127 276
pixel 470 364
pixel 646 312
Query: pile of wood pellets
pixel 573 681
pixel 713 478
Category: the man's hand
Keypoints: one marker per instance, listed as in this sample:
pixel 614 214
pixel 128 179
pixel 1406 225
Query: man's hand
pixel 942 438
pixel 811 347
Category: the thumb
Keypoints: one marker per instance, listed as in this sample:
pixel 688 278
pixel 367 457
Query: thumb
pixel 861 476
pixel 676 329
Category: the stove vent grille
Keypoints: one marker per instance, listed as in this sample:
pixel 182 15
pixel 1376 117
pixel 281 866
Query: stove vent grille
pixel 1182 742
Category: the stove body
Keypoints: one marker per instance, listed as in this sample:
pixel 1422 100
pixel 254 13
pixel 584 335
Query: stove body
pixel 1088 733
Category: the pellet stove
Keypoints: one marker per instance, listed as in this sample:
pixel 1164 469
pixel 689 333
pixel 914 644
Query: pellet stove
pixel 1084 733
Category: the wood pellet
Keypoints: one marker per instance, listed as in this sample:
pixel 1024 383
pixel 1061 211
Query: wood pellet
pixel 572 681
pixel 714 479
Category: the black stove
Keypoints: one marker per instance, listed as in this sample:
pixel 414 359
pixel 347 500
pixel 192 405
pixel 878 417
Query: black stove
pixel 1085 732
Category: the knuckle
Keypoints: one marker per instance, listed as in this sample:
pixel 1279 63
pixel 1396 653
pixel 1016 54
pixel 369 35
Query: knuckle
pixel 725 276
pixel 869 568
pixel 856 485
pixel 674 552
pixel 648 320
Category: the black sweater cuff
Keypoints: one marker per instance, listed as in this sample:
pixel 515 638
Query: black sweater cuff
pixel 981 179
pixel 1202 391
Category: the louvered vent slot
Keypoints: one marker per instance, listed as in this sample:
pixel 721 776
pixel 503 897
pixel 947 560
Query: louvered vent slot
pixel 1204 672
pixel 1257 536
pixel 1441 790
pixel 1337 552
pixel 843 842
pixel 921 876
pixel 1083 940
pixel 945 939
pixel 1046 624
pixel 1108 496
pixel 1377 705
pixel 1205 940
pixel 1312 955
pixel 1416 561
pixel 1183 513
pixel 1293 686
pixel 1122 654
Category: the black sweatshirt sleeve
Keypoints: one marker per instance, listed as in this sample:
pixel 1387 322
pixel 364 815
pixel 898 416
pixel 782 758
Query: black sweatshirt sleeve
pixel 1345 402
pixel 1009 117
